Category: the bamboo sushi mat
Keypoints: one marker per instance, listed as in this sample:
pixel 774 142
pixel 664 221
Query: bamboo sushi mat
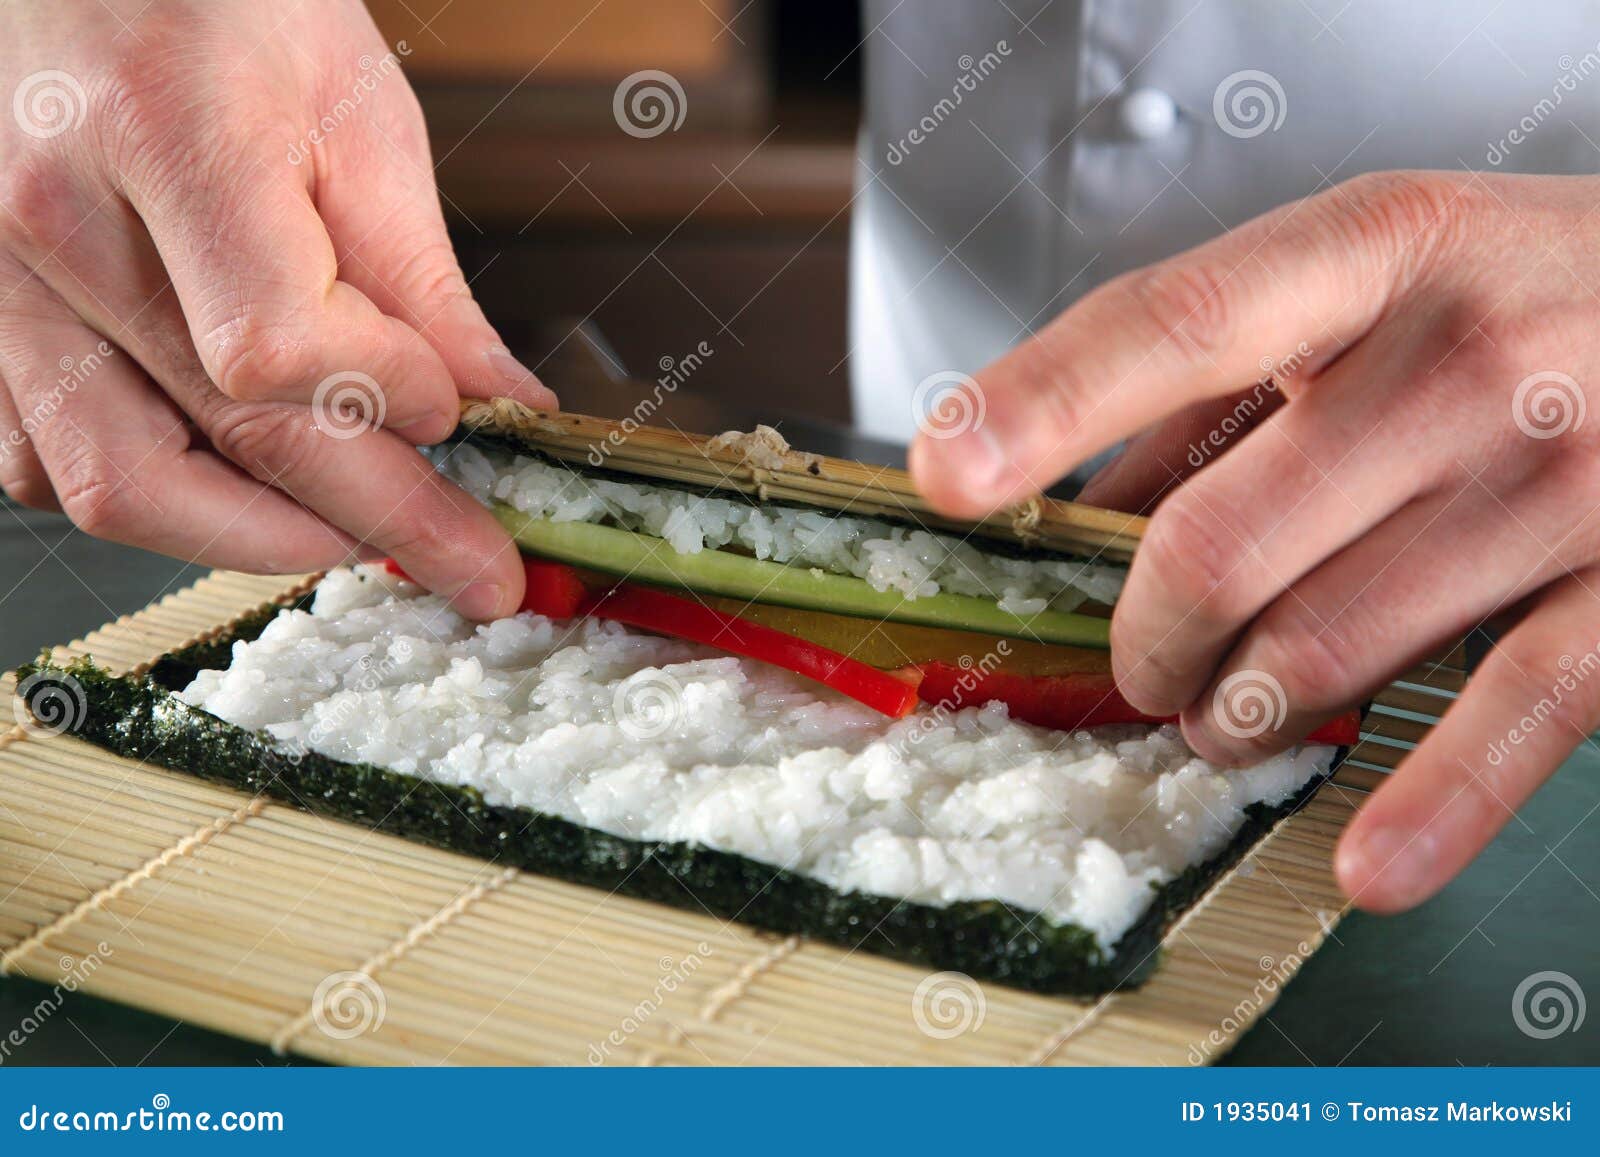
pixel 325 939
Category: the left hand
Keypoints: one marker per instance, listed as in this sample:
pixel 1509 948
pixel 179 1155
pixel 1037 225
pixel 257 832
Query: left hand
pixel 1422 465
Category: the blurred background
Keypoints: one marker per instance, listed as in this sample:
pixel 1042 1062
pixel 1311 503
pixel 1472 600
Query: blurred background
pixel 728 226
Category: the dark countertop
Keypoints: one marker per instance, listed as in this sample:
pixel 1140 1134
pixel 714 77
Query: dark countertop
pixel 1431 987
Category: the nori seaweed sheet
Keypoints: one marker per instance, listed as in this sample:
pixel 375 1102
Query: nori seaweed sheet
pixel 140 718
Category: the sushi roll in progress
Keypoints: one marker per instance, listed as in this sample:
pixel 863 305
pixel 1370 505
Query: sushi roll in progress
pixel 712 740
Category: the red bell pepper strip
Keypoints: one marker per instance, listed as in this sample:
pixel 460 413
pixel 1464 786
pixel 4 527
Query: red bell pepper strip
pixel 552 588
pixel 667 614
pixel 555 589
pixel 1068 702
pixel 1063 702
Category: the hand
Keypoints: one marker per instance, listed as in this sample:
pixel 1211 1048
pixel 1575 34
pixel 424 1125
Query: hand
pixel 228 305
pixel 1423 464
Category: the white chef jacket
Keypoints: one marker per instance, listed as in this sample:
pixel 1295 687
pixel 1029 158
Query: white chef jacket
pixel 1015 154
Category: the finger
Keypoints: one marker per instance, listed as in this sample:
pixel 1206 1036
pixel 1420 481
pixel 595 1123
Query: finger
pixel 1155 462
pixel 1309 481
pixel 22 475
pixel 376 193
pixel 363 480
pixel 258 282
pixel 1534 698
pixel 119 456
pixel 383 492
pixel 1423 579
pixel 1150 343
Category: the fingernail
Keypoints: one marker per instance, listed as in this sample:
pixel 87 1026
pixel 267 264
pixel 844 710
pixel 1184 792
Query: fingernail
pixel 481 601
pixel 507 366
pixel 427 430
pixel 1393 861
pixel 980 460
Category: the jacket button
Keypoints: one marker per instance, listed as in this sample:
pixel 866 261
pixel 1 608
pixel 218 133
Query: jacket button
pixel 1148 114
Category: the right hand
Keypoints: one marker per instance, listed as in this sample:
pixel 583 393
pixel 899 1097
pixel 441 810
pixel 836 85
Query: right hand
pixel 183 301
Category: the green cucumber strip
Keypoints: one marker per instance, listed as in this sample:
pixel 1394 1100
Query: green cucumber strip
pixel 646 558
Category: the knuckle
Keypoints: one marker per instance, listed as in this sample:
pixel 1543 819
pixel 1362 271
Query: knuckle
pixel 1193 301
pixel 1408 213
pixel 1150 668
pixel 252 359
pixel 268 441
pixel 139 106
pixel 431 276
pixel 1310 659
pixel 1482 342
pixel 21 475
pixel 93 497
pixel 32 491
pixel 38 201
pixel 1198 555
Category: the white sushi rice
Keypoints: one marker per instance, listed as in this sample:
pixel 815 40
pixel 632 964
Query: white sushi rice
pixel 915 562
pixel 655 739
